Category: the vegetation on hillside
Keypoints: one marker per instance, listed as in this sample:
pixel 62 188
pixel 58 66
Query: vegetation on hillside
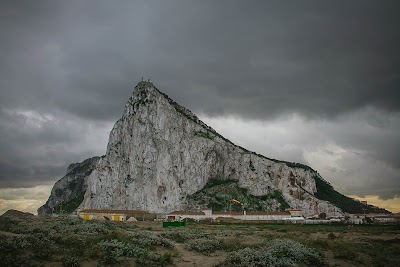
pixel 68 207
pixel 73 204
pixel 218 193
pixel 206 135
pixel 325 191
pixel 75 189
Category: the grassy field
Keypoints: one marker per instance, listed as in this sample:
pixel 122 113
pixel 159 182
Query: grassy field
pixel 69 241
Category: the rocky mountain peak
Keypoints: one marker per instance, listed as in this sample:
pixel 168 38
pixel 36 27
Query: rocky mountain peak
pixel 146 93
pixel 161 157
pixel 160 154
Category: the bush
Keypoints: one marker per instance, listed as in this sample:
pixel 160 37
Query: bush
pixel 204 246
pixel 109 257
pixel 112 249
pixel 331 236
pixel 179 236
pixel 344 252
pixel 121 249
pixel 42 246
pixel 165 259
pixel 232 245
pixel 295 250
pixel 13 243
pixel 275 253
pixel 90 228
pixel 148 239
pixel 248 257
pixel 70 261
pixel 8 224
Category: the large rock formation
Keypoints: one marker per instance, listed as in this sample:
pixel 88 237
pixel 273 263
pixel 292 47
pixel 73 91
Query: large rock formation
pixel 160 154
pixel 67 193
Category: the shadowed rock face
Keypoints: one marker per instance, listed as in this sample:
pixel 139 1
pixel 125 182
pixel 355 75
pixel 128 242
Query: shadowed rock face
pixel 67 191
pixel 160 153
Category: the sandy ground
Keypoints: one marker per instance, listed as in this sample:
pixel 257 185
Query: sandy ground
pixel 191 258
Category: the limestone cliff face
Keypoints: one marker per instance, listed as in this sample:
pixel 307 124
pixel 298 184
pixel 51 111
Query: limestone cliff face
pixel 68 191
pixel 159 153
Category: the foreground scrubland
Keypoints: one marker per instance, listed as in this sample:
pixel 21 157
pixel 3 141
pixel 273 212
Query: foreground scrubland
pixel 69 241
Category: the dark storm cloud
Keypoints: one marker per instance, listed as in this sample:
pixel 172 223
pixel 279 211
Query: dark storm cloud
pixel 79 61
pixel 36 148
pixel 260 59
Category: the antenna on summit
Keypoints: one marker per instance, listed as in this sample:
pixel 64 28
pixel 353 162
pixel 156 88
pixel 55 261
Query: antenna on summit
pixel 142 78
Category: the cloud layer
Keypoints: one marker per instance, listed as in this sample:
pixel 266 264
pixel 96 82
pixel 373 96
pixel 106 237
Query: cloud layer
pixel 359 168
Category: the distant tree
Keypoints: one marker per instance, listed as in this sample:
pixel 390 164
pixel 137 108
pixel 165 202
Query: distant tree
pixel 322 215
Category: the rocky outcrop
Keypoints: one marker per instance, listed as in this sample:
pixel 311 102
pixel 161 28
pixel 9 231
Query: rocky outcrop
pixel 67 193
pixel 159 154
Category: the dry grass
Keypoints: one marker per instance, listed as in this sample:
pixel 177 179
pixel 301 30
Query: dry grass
pixel 66 241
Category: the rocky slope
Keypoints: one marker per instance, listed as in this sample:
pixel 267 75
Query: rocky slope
pixel 160 154
pixel 68 191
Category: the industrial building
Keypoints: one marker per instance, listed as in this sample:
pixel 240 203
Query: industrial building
pixel 208 214
pixel 116 215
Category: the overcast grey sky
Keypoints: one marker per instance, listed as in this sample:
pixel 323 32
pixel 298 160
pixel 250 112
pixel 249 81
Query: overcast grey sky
pixel 307 81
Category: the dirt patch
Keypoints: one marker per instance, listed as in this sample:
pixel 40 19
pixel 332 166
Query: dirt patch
pixel 8 233
pixel 189 258
pixel 330 258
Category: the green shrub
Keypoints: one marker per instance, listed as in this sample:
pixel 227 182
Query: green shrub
pixel 165 259
pixel 344 252
pixel 148 239
pixel 232 245
pixel 12 244
pixel 8 224
pixel 202 245
pixel 41 245
pixel 331 236
pixel 294 249
pixel 248 257
pixel 177 235
pixel 112 249
pixel 109 257
pixel 70 261
pixel 274 253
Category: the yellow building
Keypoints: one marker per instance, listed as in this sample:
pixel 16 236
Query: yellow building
pixel 113 215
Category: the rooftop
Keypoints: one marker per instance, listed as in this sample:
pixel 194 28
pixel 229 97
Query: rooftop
pixel 182 212
pixel 113 211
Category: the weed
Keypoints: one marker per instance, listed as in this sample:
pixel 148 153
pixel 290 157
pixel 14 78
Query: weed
pixel 148 239
pixel 204 246
pixel 344 252
pixel 331 236
pixel 70 261
pixel 277 252
pixel 179 236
